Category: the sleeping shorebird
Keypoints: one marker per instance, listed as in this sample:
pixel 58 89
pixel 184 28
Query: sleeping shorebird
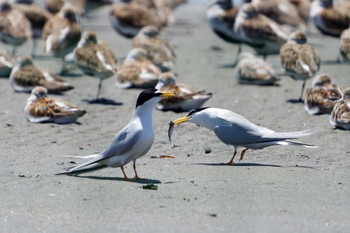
pixel 330 20
pixel 137 71
pixel 62 34
pixel 186 97
pixel 53 6
pixel 340 115
pixel 255 70
pixel 6 63
pixel 158 50
pixel 14 26
pixel 130 143
pixel 299 60
pixel 283 12
pixel 264 34
pixel 25 76
pixel 322 95
pixel 344 49
pixel 127 18
pixel 42 109
pixel 38 17
pixel 95 58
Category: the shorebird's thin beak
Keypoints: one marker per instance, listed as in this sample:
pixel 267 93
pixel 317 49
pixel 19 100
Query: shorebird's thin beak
pixel 167 94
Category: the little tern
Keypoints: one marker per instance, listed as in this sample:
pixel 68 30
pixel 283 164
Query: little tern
pixel 130 143
pixel 233 129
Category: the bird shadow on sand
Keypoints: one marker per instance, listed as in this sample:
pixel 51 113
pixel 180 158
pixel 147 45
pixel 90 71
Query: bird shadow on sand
pixel 252 165
pixel 239 165
pixel 227 65
pixel 295 101
pixel 138 181
pixel 103 101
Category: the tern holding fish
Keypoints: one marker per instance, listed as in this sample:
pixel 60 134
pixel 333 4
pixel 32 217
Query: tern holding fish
pixel 233 129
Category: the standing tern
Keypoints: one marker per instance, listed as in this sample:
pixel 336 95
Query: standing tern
pixel 233 129
pixel 130 143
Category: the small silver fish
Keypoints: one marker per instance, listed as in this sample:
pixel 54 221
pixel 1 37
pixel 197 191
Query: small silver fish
pixel 171 130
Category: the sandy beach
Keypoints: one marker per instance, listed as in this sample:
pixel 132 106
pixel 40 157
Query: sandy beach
pixel 278 189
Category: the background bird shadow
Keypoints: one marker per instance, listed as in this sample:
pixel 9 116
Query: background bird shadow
pixel 103 101
pixel 295 101
pixel 253 165
pixel 239 165
pixel 138 181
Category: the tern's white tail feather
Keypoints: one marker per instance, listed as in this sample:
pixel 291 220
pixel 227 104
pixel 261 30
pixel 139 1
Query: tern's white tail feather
pixel 290 135
pixel 82 156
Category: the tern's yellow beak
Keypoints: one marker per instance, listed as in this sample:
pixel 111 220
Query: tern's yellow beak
pixel 167 94
pixel 180 120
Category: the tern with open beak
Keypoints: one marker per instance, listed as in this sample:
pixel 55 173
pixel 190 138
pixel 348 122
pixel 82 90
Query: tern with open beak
pixel 233 129
pixel 130 143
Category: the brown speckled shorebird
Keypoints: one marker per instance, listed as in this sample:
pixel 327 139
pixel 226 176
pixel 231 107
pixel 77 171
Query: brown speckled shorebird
pixel 186 96
pixel 95 58
pixel 264 34
pixel 344 49
pixel 15 28
pixel 328 19
pixel 38 17
pixel 42 109
pixel 340 115
pixel 322 95
pixel 62 34
pixel 137 71
pixel 127 18
pixel 255 70
pixel 299 60
pixel 158 50
pixel 6 63
pixel 25 76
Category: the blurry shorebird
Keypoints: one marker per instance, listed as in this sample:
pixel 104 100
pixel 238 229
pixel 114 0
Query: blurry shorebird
pixel 186 97
pixel 340 115
pixel 263 34
pixel 221 16
pixel 127 18
pixel 299 60
pixel 131 142
pixel 235 130
pixel 25 76
pixel 344 49
pixel 137 71
pixel 62 34
pixel 303 7
pixel 328 19
pixel 42 109
pixel 282 12
pixel 14 26
pixel 158 50
pixel 322 96
pixel 37 17
pixel 95 58
pixel 255 70
pixel 6 63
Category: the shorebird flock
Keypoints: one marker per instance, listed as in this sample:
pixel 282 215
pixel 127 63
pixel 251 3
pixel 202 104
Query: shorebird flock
pixel 269 27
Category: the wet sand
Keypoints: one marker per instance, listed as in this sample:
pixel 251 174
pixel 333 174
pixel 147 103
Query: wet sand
pixel 278 189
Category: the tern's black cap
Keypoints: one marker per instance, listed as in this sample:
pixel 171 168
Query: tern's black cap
pixel 193 111
pixel 146 95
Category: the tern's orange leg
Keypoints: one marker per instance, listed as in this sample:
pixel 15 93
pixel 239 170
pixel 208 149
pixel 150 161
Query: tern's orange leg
pixel 125 177
pixel 243 153
pixel 136 175
pixel 231 161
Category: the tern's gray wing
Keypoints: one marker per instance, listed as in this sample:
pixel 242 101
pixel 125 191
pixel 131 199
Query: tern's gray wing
pixel 124 141
pixel 239 134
